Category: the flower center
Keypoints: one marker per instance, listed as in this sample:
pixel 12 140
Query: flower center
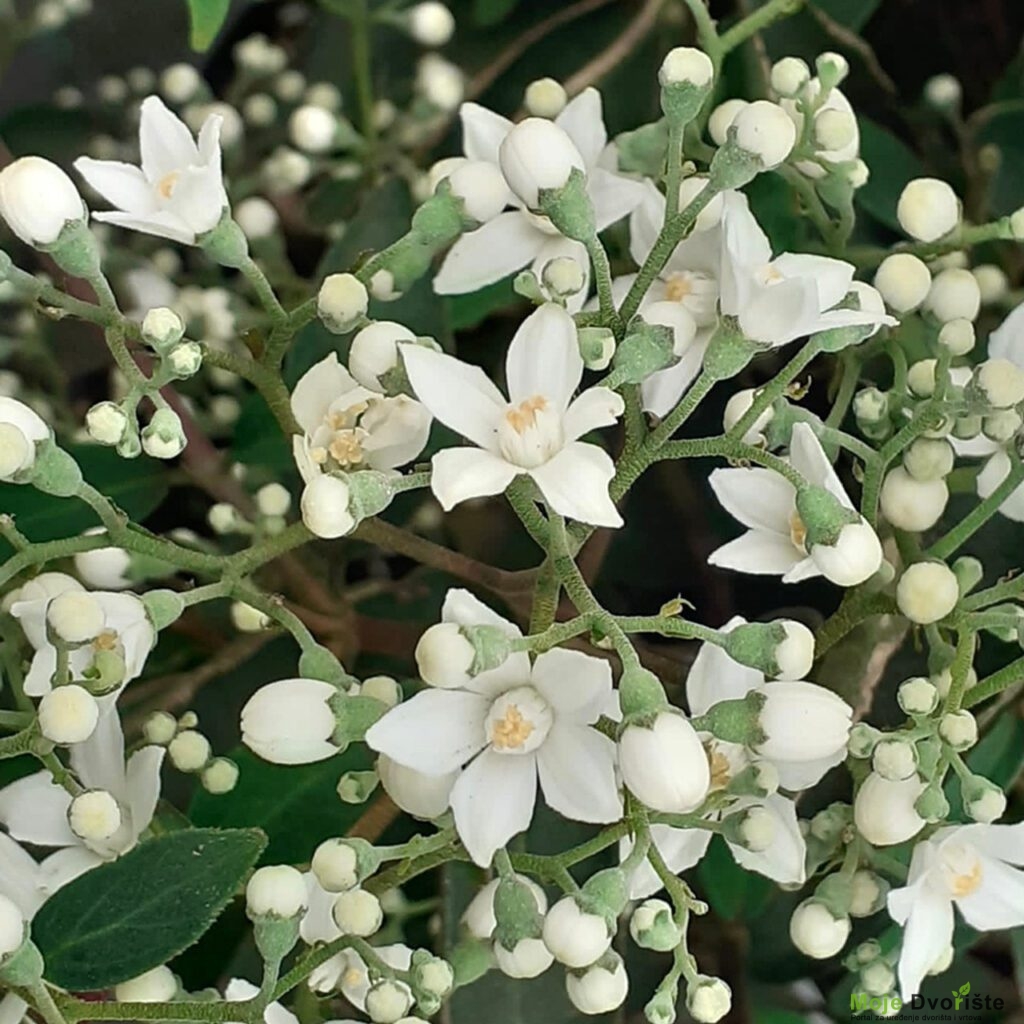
pixel 769 274
pixel 797 531
pixel 720 775
pixel 342 437
pixel 166 185
pixel 106 641
pixel 962 870
pixel 696 291
pixel 519 721
pixel 531 432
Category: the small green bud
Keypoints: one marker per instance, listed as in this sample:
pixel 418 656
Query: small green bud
pixel 354 716
pixel 735 721
pixel 54 470
pixel 728 351
pixel 932 804
pixel 606 893
pixel 226 243
pixel 356 787
pixel 640 693
pixel 370 492
pixel 320 663
pixel 569 208
pixel 863 738
pixel 653 926
pixel 597 347
pixel 163 607
pixel 645 350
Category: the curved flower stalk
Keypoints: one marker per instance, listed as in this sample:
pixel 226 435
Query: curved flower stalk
pixel 535 432
pixel 178 190
pixel 517 238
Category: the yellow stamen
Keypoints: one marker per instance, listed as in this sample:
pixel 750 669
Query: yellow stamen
pixel 720 776
pixel 678 288
pixel 524 415
pixel 346 448
pixel 166 185
pixel 512 731
pixel 106 641
pixel 797 531
pixel 965 884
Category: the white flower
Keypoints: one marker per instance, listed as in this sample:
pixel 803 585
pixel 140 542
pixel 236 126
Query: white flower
pixel 975 867
pixel 513 724
pixel 536 433
pixel 290 721
pixel 35 809
pixel 37 199
pixel 834 122
pixel 178 192
pixel 20 429
pixel 126 633
pixel 765 502
pixel 516 238
pixel 779 300
pixel 664 764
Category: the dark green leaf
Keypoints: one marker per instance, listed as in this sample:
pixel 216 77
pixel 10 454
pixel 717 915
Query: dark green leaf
pixel 490 12
pixel 127 917
pixel 853 14
pixel 891 164
pixel 1004 129
pixel 732 891
pixel 258 440
pixel 207 18
pixel 43 130
pixel 466 311
pixel 297 807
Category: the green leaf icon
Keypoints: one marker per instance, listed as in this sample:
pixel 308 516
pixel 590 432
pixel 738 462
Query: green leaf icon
pixel 965 989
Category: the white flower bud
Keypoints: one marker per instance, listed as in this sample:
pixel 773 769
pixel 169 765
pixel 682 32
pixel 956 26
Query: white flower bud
pixel 179 83
pixel 374 351
pixel 903 281
pixel 106 423
pixel 273 500
pixel 563 276
pixel 928 209
pixel 341 302
pixel 757 829
pixel 189 751
pixel 163 437
pixel 1002 426
pixel 185 359
pixel 257 217
pixel 440 82
pixel 37 199
pixel 600 989
pixel 867 893
pixel 802 721
pixel 388 1002
pixel 537 155
pixel 944 679
pixel 686 64
pixel 358 912
pixel 834 129
pixel 529 958
pixel 545 97
pixel 162 327
pixel 94 815
pixel 833 66
pixel 1000 382
pixel 764 129
pixel 736 408
pixel 422 796
pixel 325 507
pixel 927 592
pixel 943 91
pixel 855 556
pixel 959 729
pixel 276 891
pixel 290 85
pixel 921 378
pixel 954 295
pixel 224 518
pixel 156 986
pixel 653 926
pixel 816 932
pixel 68 714
pixel 75 616
pixel 383 688
pixel 789 76
pixel 12 927
pixel 104 568
pixel 877 978
pixel 482 189
pixel 336 865
pixel 795 654
pixel 677 318
pixel 312 129
pixel 993 283
pixel 709 999
pixel 160 728
pixel 894 760
pixel 248 619
pixel 918 696
pixel 430 23
pixel 478 918
pixel 984 803
pixel 664 764
pixel 884 810
pixel 910 504
pixel 444 656
pixel 929 458
pixel 290 721
pixel 722 118
pixel 220 776
pixel 575 937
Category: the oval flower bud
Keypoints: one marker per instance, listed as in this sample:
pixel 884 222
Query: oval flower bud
pixel 928 209
pixel 802 721
pixel 601 988
pixel 927 592
pixel 325 507
pixel 903 280
pixel 765 130
pixel 276 891
pixel 20 429
pixel 444 656
pixel 884 810
pixel 68 714
pixel 575 937
pixel 290 721
pixel 156 986
pixel 664 764
pixel 816 931
pixel 855 556
pixel 529 958
pixel 537 155
pixel 374 352
pixel 37 199
pixel 482 189
pixel 341 301
pixel 545 97
pixel 911 504
pixel 708 999
pixel 479 917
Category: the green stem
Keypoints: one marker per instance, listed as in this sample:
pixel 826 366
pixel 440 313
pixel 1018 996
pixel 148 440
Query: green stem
pixel 1007 676
pixel 959 669
pixel 603 279
pixel 362 57
pixel 264 291
pixel 758 20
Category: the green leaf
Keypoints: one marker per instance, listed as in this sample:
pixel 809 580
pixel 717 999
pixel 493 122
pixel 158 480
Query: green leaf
pixel 472 309
pixel 732 891
pixel 1003 127
pixel 296 806
pixel 853 14
pixel 207 18
pixel 258 440
pixel 891 164
pixel 128 916
pixel 490 12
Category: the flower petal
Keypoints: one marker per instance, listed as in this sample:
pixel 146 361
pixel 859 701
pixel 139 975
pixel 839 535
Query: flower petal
pixel 461 396
pixel 757 552
pixel 493 801
pixel 99 761
pixel 576 765
pixel 1005 842
pixel 165 142
pixel 462 473
pixel 797 775
pixel 758 498
pixel 544 358
pixel 435 732
pixel 998 902
pixel 831 277
pixel 662 390
pixel 779 313
pixel 594 408
pixel 495 250
pixel 926 936
pixel 19 876
pixel 680 848
pixel 785 859
pixel 317 389
pixel 199 198
pixel 809 459
pixel 483 131
pixel 122 185
pixel 645 222
pixel 715 677
pixel 612 195
pixel 143 786
pixel 163 224
pixel 575 684
pixel 583 122
pixel 65 866
pixel 35 810
pixel 575 484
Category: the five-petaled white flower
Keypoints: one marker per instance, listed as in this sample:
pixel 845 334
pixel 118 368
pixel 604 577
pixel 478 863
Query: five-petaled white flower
pixel 518 237
pixel 765 502
pixel 510 726
pixel 178 192
pixel 536 432
pixel 779 300
pixel 127 632
pixel 974 866
pixel 35 809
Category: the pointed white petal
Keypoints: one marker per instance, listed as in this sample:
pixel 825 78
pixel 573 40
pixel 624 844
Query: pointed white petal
pixel 779 313
pixel 797 775
pixel 926 936
pixel 493 801
pixel 143 786
pixel 462 473
pixel 613 196
pixel 163 224
pixel 544 358
pixel 680 848
pixel 594 408
pixel 123 185
pixel 998 902
pixel 35 810
pixel 662 390
pixel 758 498
pixel 65 866
pixel 832 277
pixel 576 685
pixel 575 484
pixel 199 198
pixel 715 677
pixel 317 388
pixel 1004 842
pixel 497 249
pixel 482 132
pixel 645 222
pixel 785 859
pixel 583 121
pixel 809 459
pixel 1007 340
pixel 757 552
pixel 576 765
pixel 165 142
pixel 19 876
pixel 99 761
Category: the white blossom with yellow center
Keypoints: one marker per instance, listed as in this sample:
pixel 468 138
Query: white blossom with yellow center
pixel 536 431
pixel 977 868
pixel 178 191
pixel 508 729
